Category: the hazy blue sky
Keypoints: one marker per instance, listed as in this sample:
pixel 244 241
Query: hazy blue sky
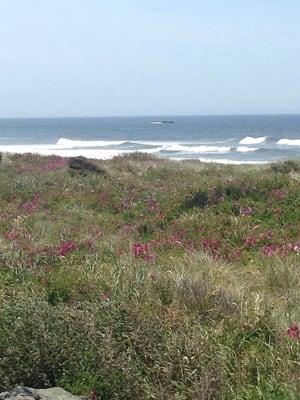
pixel 138 57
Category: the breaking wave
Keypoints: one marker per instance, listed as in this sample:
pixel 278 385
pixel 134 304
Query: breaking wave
pixel 151 147
pixel 107 149
pixel 69 143
pixel 253 140
pixel 238 152
pixel 289 142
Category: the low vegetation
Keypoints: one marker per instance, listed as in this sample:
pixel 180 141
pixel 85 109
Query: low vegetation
pixel 150 280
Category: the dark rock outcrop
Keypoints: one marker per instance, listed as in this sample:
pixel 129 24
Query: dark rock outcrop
pixel 84 166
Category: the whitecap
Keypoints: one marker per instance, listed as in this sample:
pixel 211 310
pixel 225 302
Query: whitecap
pixel 197 149
pixel 289 142
pixel 244 149
pixel 70 143
pixel 253 140
pixel 224 161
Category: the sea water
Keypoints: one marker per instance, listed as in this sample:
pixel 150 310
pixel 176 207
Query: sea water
pixel 221 139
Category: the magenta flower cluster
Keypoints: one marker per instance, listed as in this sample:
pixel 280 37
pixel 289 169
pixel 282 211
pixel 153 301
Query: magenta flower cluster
pixel 144 251
pixel 293 331
pixel 58 163
pixel 278 194
pixel 269 249
pixel 212 245
pixel 32 205
pixel 246 211
pixel 66 248
pixel 250 241
pixel 12 235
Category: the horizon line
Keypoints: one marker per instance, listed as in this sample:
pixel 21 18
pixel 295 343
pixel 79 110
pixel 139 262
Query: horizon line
pixel 153 115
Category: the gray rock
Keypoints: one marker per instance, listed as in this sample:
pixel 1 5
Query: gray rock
pixel 56 393
pixel 24 393
pixel 21 393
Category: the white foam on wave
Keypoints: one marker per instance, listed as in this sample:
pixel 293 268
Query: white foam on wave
pixel 209 149
pixel 224 161
pixel 197 149
pixel 70 143
pixel 27 148
pixel 48 150
pixel 105 154
pixel 289 142
pixel 244 149
pixel 64 143
pixel 253 140
pixel 92 149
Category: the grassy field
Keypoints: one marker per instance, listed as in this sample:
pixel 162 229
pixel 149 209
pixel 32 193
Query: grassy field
pixel 153 280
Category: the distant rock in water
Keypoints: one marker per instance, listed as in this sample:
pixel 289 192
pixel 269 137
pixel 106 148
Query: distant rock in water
pixel 84 166
pixel 24 393
pixel 162 122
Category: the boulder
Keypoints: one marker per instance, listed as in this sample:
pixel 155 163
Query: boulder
pixel 84 166
pixel 24 393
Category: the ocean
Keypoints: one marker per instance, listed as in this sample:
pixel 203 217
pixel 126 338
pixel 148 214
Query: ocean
pixel 221 139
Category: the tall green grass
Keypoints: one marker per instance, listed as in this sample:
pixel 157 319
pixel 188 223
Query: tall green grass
pixel 156 280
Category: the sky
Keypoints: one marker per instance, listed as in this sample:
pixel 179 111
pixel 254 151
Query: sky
pixel 149 57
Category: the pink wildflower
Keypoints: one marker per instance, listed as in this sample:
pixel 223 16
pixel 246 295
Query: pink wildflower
pixel 250 241
pixel 246 211
pixel 278 194
pixel 269 249
pixel 268 234
pixel 33 204
pixel 150 257
pixel 66 248
pixel 296 247
pixel 290 247
pixel 211 245
pixel 29 206
pixel 55 164
pixel 205 243
pixel 293 331
pixel 237 253
pixel 138 249
pixel 12 235
pixel 105 296
pixel 143 250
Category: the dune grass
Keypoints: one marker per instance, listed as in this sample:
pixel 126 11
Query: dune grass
pixel 155 280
